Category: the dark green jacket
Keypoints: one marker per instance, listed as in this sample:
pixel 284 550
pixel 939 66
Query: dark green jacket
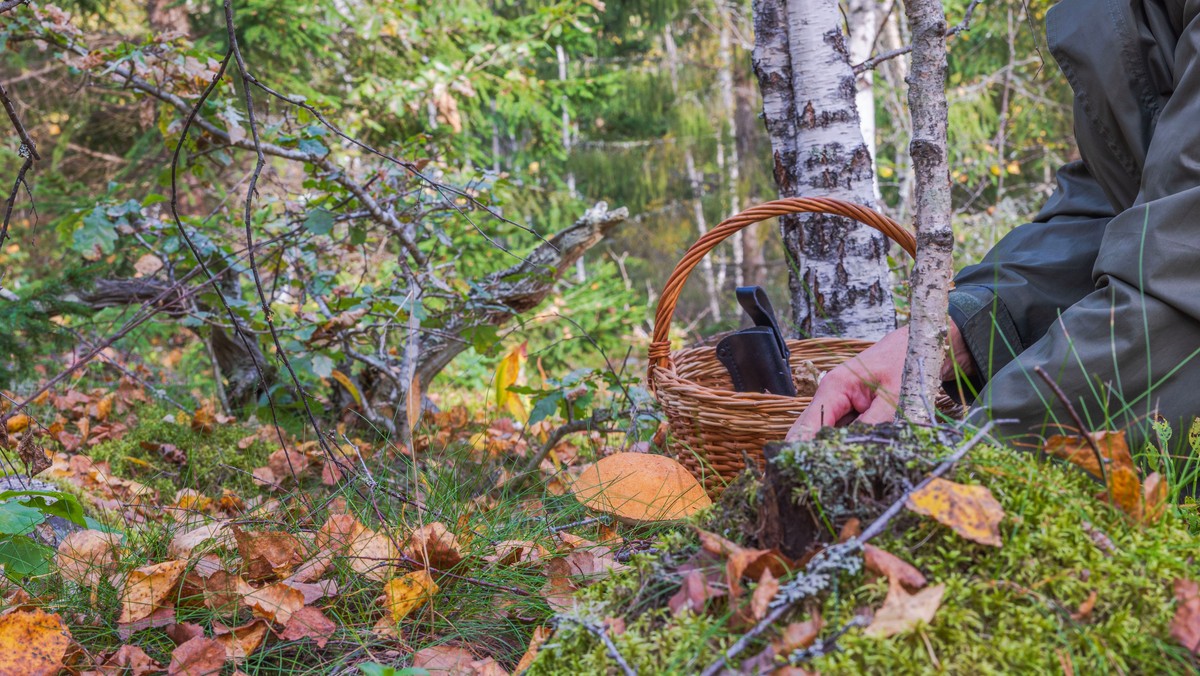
pixel 1102 290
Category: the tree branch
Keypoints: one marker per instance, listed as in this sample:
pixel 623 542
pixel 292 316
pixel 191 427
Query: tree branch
pixel 962 26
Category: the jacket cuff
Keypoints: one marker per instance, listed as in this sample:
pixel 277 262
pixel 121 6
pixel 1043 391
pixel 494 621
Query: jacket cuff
pixel 988 330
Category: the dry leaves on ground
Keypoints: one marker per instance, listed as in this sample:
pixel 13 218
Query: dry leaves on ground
pixel 147 589
pixel 433 546
pixel 85 557
pixel 640 487
pixel 240 642
pixel 1144 502
pixel 269 553
pixel 309 622
pixel 444 659
pixel 902 611
pixel 892 567
pixel 970 511
pixel 1185 626
pixel 406 593
pixel 32 642
pixel 199 656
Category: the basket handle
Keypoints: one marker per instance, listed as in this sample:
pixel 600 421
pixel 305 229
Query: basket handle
pixel 660 346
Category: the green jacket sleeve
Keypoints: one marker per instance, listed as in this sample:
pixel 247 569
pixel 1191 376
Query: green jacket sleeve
pixel 1129 350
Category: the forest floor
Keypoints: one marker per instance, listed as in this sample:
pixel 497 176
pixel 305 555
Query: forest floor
pixel 209 545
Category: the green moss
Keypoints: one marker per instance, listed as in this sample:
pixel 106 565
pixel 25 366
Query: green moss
pixel 1005 610
pixel 214 460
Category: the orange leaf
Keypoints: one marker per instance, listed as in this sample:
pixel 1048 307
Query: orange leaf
pixel 406 593
pixel 199 656
pixel 1154 493
pixel 1125 490
pixel 275 602
pixel 892 567
pixel 640 487
pixel 540 634
pixel 309 622
pixel 147 589
pixel 1076 450
pixel 32 642
pixel 902 611
pixel 268 553
pixel 970 511
pixel 240 642
pixel 87 556
pixel 433 546
pixel 764 593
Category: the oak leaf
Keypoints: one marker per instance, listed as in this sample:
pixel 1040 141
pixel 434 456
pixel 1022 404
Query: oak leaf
pixel 640 487
pixel 902 611
pixel 970 511
pixel 147 589
pixel 32 642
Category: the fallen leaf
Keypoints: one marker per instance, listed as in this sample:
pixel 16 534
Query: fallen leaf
pixel 268 553
pixel 17 424
pixel 161 617
pixel 1076 450
pixel 131 660
pixel 540 634
pixel 338 532
pixel 902 611
pixel 1185 626
pixel 275 602
pixel 742 562
pixel 1154 496
pixel 204 420
pixel 1086 607
pixel 313 568
pixel 199 656
pixel 892 567
pixel 517 553
pixel 507 374
pixel 1125 491
pixel 32 643
pixel 183 632
pixel 433 546
pixel 406 593
pixel 559 590
pixel 444 659
pixel 147 589
pixel 314 591
pixel 693 594
pixel 970 511
pixel 372 554
pixel 147 265
pixel 240 642
pixel 288 463
pixel 224 591
pixel 183 544
pixel 309 622
pixel 764 593
pixel 85 557
pixel 798 635
pixel 640 487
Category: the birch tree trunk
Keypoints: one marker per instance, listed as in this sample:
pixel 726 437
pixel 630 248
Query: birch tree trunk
pixel 861 15
pixel 729 113
pixel 706 264
pixel 839 277
pixel 935 240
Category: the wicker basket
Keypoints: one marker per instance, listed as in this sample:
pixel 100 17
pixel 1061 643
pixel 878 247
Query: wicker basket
pixel 715 429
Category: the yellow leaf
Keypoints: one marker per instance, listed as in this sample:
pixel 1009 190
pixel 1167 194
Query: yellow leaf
pixel 406 593
pixel 17 423
pixel 345 382
pixel 507 374
pixel 1013 167
pixel 413 403
pixel 640 487
pixel 902 611
pixel 148 588
pixel 995 170
pixel 970 511
pixel 32 642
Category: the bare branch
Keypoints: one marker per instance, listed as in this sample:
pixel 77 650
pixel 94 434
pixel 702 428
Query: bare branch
pixel 961 26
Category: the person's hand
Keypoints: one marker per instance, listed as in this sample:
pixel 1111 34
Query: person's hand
pixel 864 389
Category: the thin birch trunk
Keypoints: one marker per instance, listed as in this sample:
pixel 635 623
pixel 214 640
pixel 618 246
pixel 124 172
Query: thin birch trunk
pixel 839 281
pixel 729 130
pixel 862 16
pixel 706 264
pixel 935 240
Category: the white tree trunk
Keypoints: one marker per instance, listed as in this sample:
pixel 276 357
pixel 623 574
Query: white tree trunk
pixel 839 280
pixel 930 281
pixel 862 16
pixel 729 130
pixel 706 264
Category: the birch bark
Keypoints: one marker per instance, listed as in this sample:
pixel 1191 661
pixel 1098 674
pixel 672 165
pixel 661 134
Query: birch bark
pixel 930 280
pixel 839 278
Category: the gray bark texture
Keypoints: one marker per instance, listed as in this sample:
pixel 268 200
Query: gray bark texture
pixel 930 280
pixel 839 277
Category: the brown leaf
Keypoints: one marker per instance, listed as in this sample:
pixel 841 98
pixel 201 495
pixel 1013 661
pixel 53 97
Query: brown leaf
pixel 313 568
pixel 764 593
pixel 148 588
pixel 131 660
pixel 32 455
pixel 445 659
pixel 268 553
pixel 372 554
pixel 559 590
pixel 288 463
pixel 406 593
pixel 640 487
pixel 892 567
pixel 240 642
pixel 798 635
pixel 742 562
pixel 183 632
pixel 1086 607
pixel 87 556
pixel 540 634
pixel 1077 451
pixel 1154 496
pixel 32 642
pixel 434 546
pixel 1185 626
pixel 338 532
pixel 314 591
pixel 309 622
pixel 183 544
pixel 1125 491
pixel 275 602
pixel 693 594
pixel 204 420
pixel 198 657
pixel 851 529
pixel 147 265
pixel 223 591
pixel 162 617
pixel 517 553
pixel 970 511
pixel 902 611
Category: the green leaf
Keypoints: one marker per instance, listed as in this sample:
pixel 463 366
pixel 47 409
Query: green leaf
pixel 312 147
pixel 319 221
pixel 17 519
pixel 97 235
pixel 21 556
pixel 322 365
pixel 545 407
pixel 65 505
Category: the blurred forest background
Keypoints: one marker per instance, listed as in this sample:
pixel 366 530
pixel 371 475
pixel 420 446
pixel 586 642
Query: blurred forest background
pixel 535 109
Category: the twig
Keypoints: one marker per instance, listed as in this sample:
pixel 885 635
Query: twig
pixel 28 149
pixel 962 26
pixel 608 643
pixel 874 529
pixel 1062 396
pixel 598 417
pixel 9 4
